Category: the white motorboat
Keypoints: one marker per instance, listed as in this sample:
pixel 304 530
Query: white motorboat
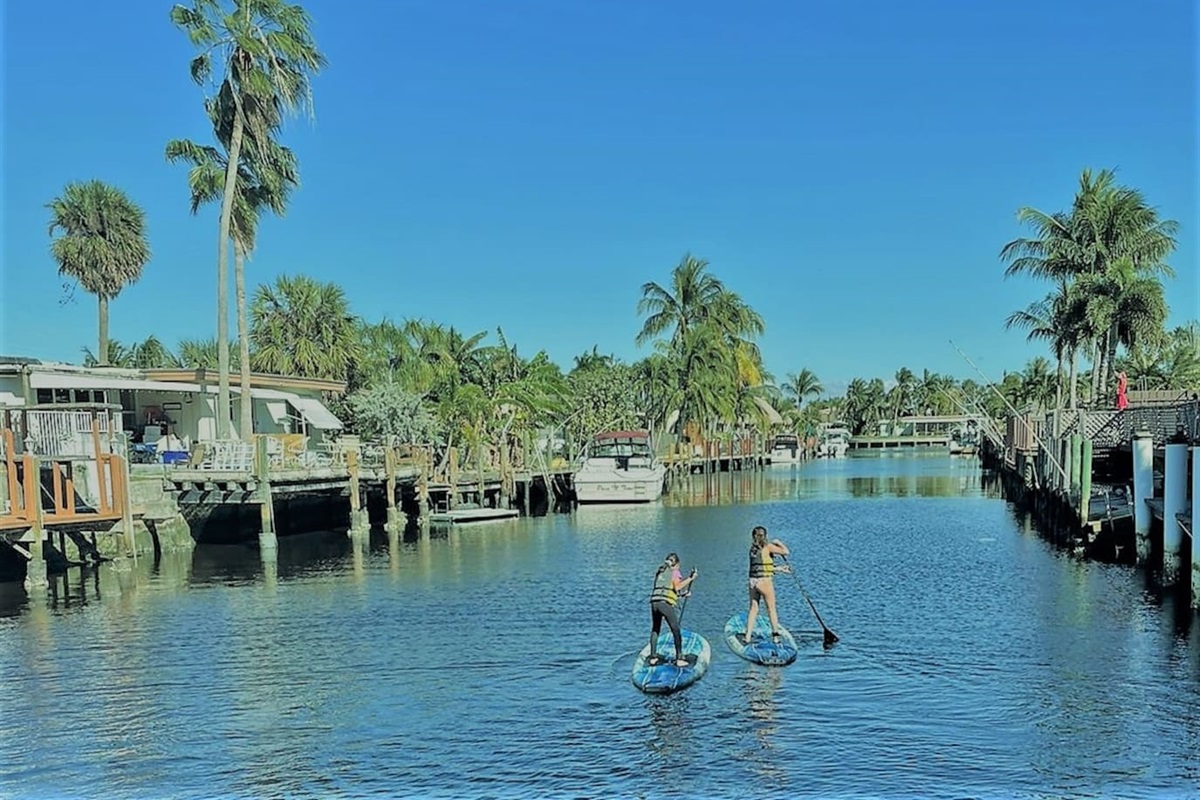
pixel 834 441
pixel 620 467
pixel 785 449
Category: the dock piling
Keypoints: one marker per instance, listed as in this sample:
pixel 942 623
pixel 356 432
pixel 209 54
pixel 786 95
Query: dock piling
pixel 1085 481
pixel 266 503
pixel 1143 490
pixel 389 489
pixel 1174 503
pixel 1195 521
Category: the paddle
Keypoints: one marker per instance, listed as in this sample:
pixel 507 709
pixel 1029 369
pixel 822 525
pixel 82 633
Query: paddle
pixel 829 636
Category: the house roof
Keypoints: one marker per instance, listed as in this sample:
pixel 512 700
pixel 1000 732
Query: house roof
pixel 261 380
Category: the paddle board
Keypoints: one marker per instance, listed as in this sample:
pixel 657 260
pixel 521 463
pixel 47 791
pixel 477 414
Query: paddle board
pixel 665 677
pixel 761 649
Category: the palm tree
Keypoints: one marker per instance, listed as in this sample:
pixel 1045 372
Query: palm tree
pixel 1109 236
pixel 711 340
pixel 802 385
pixel 302 327
pixel 102 244
pixel 201 353
pixel 266 56
pixel 265 180
pixel 693 297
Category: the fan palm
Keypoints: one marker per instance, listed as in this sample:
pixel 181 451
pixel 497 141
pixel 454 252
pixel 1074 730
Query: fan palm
pixel 102 244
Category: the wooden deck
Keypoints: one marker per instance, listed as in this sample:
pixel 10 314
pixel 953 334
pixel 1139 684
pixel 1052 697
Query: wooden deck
pixel 48 489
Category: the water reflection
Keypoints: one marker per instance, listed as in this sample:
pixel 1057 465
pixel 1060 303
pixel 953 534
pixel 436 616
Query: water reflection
pixel 759 686
pixel 475 661
pixel 931 475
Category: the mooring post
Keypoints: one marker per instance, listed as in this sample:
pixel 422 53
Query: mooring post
pixel 35 570
pixel 1143 490
pixel 453 501
pixel 1085 482
pixel 389 470
pixel 1174 502
pixel 1195 522
pixel 479 460
pixel 356 512
pixel 423 486
pixel 127 498
pixel 1076 463
pixel 506 481
pixel 262 491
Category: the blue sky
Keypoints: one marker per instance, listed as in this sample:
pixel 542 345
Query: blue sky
pixel 852 170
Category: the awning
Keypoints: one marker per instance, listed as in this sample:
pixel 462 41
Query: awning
pixel 70 380
pixel 317 415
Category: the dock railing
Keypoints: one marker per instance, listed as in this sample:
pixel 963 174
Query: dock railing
pixel 61 465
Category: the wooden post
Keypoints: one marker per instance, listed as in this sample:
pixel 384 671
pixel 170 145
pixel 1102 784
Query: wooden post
pixel 1076 462
pixel 1085 482
pixel 453 500
pixel 423 485
pixel 103 460
pixel 506 482
pixel 267 539
pixel 356 520
pixel 389 470
pixel 35 570
pixel 126 504
pixel 479 460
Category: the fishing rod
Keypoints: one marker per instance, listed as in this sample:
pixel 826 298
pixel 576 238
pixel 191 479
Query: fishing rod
pixel 1052 456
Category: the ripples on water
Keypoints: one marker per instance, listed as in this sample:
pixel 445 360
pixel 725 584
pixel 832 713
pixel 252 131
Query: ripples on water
pixel 493 661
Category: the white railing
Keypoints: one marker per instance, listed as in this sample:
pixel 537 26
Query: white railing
pixel 67 433
pixel 224 455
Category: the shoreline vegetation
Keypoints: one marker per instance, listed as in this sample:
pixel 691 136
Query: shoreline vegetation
pixel 417 381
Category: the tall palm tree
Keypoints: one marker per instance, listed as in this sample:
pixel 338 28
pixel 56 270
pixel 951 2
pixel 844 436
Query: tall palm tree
pixel 266 178
pixel 264 55
pixel 802 385
pixel 1109 232
pixel 693 296
pixel 302 327
pixel 102 244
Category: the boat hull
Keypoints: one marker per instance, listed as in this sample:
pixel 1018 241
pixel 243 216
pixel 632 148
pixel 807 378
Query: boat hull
pixel 619 486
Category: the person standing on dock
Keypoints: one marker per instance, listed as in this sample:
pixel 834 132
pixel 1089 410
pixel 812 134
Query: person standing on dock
pixel 664 604
pixel 1122 388
pixel 762 584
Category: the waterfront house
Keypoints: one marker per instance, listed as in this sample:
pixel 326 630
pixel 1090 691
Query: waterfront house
pixel 175 406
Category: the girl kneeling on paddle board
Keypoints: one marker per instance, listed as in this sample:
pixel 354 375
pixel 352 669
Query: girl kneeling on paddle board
pixel 762 568
pixel 664 604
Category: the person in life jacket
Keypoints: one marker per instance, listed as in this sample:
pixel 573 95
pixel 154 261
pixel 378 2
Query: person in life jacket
pixel 762 585
pixel 664 604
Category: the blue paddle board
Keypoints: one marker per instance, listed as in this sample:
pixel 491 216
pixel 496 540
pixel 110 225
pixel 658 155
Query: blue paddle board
pixel 761 649
pixel 665 677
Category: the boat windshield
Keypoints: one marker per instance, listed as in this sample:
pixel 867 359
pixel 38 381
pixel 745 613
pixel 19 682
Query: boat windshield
pixel 616 446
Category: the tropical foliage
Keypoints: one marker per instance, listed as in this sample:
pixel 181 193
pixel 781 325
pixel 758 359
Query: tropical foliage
pixel 1106 257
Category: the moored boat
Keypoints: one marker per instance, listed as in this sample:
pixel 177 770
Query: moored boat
pixel 620 467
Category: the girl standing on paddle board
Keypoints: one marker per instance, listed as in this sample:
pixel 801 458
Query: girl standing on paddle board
pixel 664 604
pixel 762 570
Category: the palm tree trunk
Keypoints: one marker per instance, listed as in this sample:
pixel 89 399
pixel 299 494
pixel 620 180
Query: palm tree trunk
pixel 1110 362
pixel 1059 380
pixel 239 284
pixel 1097 365
pixel 235 148
pixel 102 356
pixel 1074 367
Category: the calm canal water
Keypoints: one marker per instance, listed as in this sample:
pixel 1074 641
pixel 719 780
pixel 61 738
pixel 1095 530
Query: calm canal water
pixel 493 661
